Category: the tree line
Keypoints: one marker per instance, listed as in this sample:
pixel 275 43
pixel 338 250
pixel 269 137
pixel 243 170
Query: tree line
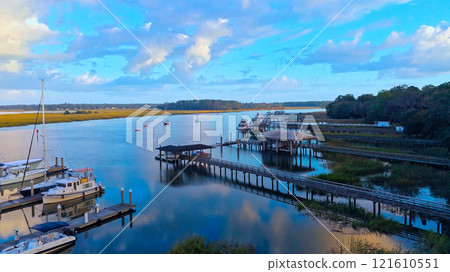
pixel 204 104
pixel 422 112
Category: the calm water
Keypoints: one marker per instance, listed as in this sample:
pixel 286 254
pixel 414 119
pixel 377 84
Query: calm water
pixel 195 202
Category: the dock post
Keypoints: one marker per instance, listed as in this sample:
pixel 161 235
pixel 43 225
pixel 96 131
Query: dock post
pixel 332 196
pixel 58 211
pixel 307 191
pixel 354 202
pixel 236 174
pixel 86 217
pixel 122 192
pixel 272 184
pixel 131 198
pixel 349 201
pixel 256 181
pixel 56 161
pixel 244 177
pixel 405 216
pixel 62 161
pixel 32 187
pixel 312 195
pixel 327 198
pixel 379 208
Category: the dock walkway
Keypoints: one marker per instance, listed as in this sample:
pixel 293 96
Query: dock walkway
pixel 439 210
pixel 20 203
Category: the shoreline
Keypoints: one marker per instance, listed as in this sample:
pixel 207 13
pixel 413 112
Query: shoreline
pixel 25 119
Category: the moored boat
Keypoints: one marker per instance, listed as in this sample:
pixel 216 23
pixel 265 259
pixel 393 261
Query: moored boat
pixel 48 242
pixel 80 183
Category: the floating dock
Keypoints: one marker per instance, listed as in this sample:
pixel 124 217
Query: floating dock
pixel 81 224
pixel 20 203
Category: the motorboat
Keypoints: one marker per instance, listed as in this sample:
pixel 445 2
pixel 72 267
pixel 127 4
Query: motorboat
pixel 79 183
pixel 47 185
pixel 48 242
pixel 39 188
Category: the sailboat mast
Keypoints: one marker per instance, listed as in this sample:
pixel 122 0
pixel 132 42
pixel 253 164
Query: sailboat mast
pixel 43 131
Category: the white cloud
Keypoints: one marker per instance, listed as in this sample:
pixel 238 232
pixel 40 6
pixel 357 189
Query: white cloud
pixel 147 26
pixel 428 53
pixel 12 66
pixel 329 9
pixel 20 29
pixel 209 33
pixel 88 79
pixel 13 96
pixel 111 30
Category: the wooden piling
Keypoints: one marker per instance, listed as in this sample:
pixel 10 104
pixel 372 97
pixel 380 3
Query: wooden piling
pixel 58 211
pixel 131 197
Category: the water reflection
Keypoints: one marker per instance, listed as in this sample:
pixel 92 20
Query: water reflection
pixel 196 202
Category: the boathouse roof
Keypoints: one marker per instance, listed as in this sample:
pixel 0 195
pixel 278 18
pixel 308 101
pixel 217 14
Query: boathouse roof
pixel 182 148
pixel 287 135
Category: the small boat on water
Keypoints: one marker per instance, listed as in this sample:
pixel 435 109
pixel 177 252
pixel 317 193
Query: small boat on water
pixel 48 184
pixel 48 242
pixel 80 183
pixel 32 163
pixel 18 174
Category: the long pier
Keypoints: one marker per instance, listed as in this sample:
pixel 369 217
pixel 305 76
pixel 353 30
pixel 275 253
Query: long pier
pixel 438 210
pixel 412 233
pixel 434 161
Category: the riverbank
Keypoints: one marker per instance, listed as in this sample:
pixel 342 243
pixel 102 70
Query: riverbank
pixel 23 119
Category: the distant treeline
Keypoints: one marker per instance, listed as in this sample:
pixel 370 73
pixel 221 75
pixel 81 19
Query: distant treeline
pixel 424 113
pixel 68 106
pixel 207 104
pixel 204 104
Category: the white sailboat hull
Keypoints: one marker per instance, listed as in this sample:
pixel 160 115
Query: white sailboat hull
pixel 29 175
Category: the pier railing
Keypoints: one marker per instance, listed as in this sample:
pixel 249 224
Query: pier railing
pixel 430 207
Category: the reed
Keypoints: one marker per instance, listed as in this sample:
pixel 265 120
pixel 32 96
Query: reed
pixel 196 244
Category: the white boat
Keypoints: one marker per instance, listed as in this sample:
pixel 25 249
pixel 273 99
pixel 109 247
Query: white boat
pixel 80 183
pixel 32 163
pixel 48 242
pixel 15 175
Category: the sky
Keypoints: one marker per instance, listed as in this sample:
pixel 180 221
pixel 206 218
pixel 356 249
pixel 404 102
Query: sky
pixel 148 51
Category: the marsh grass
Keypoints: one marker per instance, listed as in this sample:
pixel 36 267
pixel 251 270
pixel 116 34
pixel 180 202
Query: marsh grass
pixel 196 244
pixel 341 212
pixel 433 243
pixel 349 169
pixel 362 246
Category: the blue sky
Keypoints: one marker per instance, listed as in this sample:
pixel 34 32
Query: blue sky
pixel 218 49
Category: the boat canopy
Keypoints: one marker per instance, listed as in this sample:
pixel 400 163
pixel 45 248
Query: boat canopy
pixel 82 170
pixel 44 227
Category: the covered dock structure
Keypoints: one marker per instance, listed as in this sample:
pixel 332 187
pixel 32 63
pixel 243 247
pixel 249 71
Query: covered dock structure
pixel 174 153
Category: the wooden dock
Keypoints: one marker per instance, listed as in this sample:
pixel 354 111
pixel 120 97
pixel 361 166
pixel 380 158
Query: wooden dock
pixel 80 225
pixel 412 233
pixel 435 209
pixel 433 161
pixel 20 203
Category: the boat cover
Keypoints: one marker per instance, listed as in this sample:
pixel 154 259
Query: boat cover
pixel 44 227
